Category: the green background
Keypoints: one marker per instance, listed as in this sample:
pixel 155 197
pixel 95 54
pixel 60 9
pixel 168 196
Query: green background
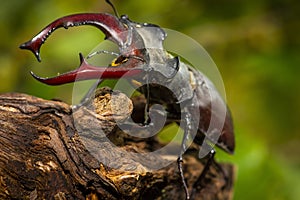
pixel 255 44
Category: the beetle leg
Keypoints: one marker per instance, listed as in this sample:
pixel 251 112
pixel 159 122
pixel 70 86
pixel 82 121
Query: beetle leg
pixel 210 162
pixel 179 164
pixel 147 95
pixel 198 184
pixel 188 128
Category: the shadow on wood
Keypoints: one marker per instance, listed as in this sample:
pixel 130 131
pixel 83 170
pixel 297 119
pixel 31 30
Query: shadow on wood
pixel 43 155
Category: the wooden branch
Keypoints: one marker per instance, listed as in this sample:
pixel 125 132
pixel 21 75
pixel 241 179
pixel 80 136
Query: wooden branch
pixel 49 151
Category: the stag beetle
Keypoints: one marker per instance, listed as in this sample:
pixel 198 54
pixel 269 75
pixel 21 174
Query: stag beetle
pixel 140 49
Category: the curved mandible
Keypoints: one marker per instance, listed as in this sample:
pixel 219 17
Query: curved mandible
pixel 86 72
pixel 110 25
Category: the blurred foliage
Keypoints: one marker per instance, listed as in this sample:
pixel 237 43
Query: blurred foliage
pixel 255 44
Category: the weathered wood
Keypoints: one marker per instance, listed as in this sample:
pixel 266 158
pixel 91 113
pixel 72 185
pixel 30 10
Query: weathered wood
pixel 43 155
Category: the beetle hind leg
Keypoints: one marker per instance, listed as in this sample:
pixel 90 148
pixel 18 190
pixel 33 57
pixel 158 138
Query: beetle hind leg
pixel 210 162
pixel 199 182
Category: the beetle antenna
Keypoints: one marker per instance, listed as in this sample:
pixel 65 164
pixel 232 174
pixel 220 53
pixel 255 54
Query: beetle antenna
pixel 113 7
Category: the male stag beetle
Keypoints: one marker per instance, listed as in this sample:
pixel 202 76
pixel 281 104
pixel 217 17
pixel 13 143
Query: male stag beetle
pixel 143 59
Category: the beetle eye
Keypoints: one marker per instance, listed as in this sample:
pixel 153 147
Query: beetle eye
pixel 118 61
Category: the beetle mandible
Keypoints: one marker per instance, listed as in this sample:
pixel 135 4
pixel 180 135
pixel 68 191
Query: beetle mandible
pixel 141 47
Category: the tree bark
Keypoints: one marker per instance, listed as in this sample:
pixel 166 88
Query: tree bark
pixel 44 154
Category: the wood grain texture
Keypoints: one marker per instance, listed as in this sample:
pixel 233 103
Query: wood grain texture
pixel 43 154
